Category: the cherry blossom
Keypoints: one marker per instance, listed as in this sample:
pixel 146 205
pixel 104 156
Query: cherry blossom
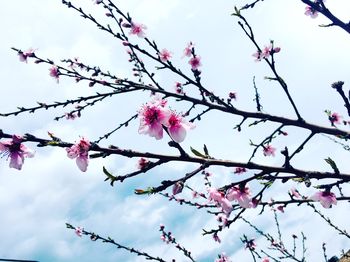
pixel 220 199
pixel 326 198
pixel 269 150
pixel 54 72
pixel 153 116
pixel 280 208
pixel 16 151
pixel 240 170
pixel 165 55
pixel 79 231
pixel 195 194
pixel 309 11
pixel 223 258
pixel 188 49
pixel 70 116
pixel 214 194
pixel 216 238
pixel 233 95
pixel 177 188
pixel 335 118
pixel 137 29
pixel 178 127
pixel 195 62
pixel 80 152
pixel 251 245
pixel 266 52
pixel 179 89
pixel 266 259
pixel 241 195
pixel 293 192
pixel 257 56
pixel 142 163
pixel 222 218
pixel 24 55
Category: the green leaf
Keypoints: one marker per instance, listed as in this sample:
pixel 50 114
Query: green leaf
pixel 148 191
pixel 237 12
pixel 333 165
pixel 109 175
pixel 197 153
pixel 206 152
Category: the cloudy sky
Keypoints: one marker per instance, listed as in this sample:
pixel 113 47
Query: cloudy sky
pixel 50 190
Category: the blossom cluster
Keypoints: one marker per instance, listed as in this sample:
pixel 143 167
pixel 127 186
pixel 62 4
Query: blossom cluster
pixel 79 151
pixel 241 194
pixel 195 60
pixel 16 151
pixel 155 117
pixel 266 52
pixel 135 28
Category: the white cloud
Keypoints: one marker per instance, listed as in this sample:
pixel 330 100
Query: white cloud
pixel 51 190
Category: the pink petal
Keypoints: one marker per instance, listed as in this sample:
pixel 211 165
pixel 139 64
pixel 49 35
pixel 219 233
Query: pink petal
pixel 16 161
pixel 82 163
pixel 177 133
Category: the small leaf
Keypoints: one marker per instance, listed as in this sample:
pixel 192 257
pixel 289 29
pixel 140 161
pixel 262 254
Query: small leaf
pixel 205 150
pixel 197 153
pixel 237 12
pixel 148 191
pixel 332 164
pixel 109 176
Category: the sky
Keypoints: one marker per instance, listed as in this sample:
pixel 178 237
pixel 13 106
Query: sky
pixel 50 190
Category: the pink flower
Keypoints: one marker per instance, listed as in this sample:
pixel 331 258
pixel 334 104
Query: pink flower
pixel 280 208
pixel 79 231
pixel 188 50
pixel 309 11
pixel 177 127
pixel 165 55
pixel 220 199
pixel 276 49
pixel 179 89
pixel 293 192
pixel 70 116
pixel 233 95
pixel 24 55
pixel 216 238
pixel 226 206
pixel 80 152
pixel 241 195
pixel 222 218
pixel 257 56
pixel 327 199
pixel 137 29
pixel 266 51
pixel 266 259
pixel 153 116
pixel 250 244
pixel 177 188
pixel 269 150
pixel 195 62
pixel 142 163
pixel 335 118
pixel 16 151
pixel 214 194
pixel 223 258
pixel 54 73
pixel 240 170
